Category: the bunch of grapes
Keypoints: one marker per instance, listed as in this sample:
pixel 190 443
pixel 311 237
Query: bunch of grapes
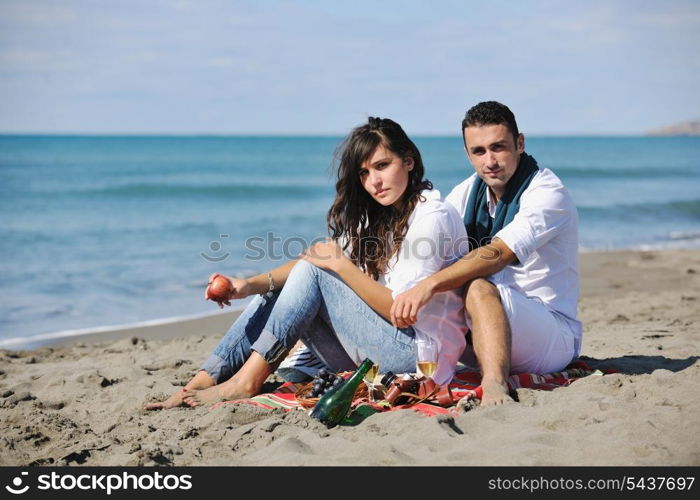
pixel 323 381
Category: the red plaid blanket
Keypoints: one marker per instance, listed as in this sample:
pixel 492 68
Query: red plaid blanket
pixel 464 385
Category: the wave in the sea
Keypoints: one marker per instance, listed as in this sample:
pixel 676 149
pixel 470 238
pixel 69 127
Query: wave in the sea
pixel 684 235
pixel 677 207
pixel 156 190
pixel 615 173
pixel 43 338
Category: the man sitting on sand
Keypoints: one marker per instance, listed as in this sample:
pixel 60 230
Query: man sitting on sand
pixel 521 274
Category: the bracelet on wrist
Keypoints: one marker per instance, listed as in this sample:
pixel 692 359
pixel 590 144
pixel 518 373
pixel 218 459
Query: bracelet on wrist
pixel 271 284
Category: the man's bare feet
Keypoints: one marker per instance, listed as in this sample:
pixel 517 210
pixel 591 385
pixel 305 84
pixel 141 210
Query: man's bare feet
pixel 229 390
pixel 172 402
pixel 494 393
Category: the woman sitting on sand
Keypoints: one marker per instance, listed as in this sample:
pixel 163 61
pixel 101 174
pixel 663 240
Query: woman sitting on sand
pixel 394 230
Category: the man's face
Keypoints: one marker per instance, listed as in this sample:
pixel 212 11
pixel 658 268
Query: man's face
pixel 494 154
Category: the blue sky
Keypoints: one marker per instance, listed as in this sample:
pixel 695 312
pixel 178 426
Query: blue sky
pixel 315 67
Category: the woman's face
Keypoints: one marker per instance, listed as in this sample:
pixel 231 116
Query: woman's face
pixel 384 175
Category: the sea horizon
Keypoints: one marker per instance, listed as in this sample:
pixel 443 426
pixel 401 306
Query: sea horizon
pixel 226 135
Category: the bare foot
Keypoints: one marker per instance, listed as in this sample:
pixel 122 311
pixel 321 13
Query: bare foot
pixel 229 390
pixel 494 393
pixel 172 402
pixel 201 380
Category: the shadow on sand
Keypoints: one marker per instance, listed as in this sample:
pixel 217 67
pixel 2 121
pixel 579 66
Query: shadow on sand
pixel 637 365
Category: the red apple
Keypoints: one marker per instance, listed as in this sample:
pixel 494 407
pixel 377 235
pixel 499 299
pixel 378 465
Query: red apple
pixel 220 289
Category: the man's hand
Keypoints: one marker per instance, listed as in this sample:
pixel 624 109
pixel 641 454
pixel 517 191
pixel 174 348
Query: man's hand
pixel 240 289
pixel 404 310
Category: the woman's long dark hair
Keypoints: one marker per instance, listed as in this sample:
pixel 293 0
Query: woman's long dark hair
pixel 372 232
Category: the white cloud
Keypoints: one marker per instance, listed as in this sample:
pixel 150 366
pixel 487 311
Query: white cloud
pixel 36 13
pixel 17 60
pixel 236 65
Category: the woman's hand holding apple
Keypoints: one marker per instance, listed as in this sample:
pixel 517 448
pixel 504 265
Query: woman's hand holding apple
pixel 222 289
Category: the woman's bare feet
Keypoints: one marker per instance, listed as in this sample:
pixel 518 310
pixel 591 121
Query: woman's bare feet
pixel 202 380
pixel 227 391
pixel 172 402
pixel 247 382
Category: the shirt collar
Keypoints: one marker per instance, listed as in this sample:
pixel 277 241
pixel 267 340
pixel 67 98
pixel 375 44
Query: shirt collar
pixel 490 204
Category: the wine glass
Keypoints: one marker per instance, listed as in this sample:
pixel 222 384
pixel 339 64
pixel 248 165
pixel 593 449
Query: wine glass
pixel 369 380
pixel 426 356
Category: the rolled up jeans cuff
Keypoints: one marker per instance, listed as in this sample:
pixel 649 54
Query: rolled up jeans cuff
pixel 216 368
pixel 270 347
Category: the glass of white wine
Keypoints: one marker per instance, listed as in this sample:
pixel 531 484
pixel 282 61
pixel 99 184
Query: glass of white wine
pixel 369 380
pixel 426 355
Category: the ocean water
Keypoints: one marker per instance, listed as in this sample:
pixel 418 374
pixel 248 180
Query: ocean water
pixel 114 230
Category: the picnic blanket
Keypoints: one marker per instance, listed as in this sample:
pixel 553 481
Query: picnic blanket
pixel 465 386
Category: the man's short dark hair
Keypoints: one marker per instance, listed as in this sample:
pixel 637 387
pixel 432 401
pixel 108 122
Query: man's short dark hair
pixel 490 113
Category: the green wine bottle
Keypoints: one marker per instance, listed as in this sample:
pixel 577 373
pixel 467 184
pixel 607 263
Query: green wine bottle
pixel 332 408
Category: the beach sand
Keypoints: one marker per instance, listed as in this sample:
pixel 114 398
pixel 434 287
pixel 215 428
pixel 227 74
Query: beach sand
pixel 81 403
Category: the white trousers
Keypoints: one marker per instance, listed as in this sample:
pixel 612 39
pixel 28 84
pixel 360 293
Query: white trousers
pixel 541 342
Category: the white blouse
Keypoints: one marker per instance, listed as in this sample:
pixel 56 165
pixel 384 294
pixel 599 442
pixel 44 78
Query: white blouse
pixel 435 238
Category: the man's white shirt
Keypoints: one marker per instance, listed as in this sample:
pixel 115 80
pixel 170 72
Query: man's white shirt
pixel 544 237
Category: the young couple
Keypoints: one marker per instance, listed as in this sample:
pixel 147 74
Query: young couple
pixel 393 271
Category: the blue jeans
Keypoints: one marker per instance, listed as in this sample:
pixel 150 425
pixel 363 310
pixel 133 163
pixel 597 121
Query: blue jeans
pixel 317 307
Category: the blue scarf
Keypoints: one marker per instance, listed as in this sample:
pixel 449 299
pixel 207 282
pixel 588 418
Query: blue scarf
pixel 480 226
